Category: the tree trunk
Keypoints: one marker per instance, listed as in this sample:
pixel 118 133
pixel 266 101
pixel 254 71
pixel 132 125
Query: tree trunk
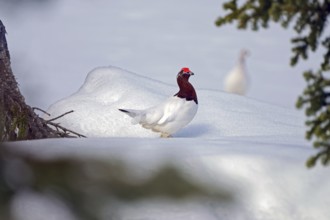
pixel 18 121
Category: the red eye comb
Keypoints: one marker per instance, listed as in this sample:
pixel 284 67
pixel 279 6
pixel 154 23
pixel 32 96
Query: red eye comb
pixel 185 69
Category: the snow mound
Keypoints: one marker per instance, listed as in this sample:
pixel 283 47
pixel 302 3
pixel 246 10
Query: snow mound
pixel 266 174
pixel 106 89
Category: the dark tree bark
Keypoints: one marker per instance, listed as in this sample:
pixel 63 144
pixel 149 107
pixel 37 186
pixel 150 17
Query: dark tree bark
pixel 18 121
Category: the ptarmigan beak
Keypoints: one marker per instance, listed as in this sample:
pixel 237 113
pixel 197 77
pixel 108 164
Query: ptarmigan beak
pixel 189 73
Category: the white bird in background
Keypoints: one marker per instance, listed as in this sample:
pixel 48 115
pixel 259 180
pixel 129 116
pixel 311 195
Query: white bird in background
pixel 237 80
pixel 174 113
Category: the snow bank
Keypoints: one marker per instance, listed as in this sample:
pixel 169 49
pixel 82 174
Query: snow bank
pixel 266 174
pixel 106 89
pixel 255 148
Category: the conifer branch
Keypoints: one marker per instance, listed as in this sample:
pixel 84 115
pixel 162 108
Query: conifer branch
pixel 309 19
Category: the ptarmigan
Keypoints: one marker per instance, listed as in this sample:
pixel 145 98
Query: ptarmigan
pixel 237 79
pixel 174 113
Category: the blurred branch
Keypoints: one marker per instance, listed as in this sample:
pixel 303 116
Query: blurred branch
pixel 86 186
pixel 64 131
pixel 39 109
pixel 53 119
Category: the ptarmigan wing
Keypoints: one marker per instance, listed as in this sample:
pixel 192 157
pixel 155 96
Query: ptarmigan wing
pixel 160 114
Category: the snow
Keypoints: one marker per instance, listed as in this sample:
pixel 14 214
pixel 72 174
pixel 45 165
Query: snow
pixel 255 149
pixel 254 144
pixel 266 173
pixel 107 89
pixel 40 205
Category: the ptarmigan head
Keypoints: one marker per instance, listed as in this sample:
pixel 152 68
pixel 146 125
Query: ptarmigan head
pixel 185 73
pixel 186 91
pixel 243 54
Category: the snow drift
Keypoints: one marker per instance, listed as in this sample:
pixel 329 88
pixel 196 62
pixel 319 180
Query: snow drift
pixel 256 148
pixel 106 89
pixel 266 174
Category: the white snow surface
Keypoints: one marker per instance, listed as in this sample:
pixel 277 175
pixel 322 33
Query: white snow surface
pixel 256 150
pixel 106 89
pixel 266 174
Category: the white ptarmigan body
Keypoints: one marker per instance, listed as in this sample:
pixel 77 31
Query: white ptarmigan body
pixel 174 113
pixel 237 79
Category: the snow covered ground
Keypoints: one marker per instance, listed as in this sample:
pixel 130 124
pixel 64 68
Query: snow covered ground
pixel 106 89
pixel 254 148
pixel 254 144
pixel 266 173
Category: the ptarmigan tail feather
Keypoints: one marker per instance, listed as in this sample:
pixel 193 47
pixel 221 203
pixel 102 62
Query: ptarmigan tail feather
pixel 134 114
pixel 129 112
